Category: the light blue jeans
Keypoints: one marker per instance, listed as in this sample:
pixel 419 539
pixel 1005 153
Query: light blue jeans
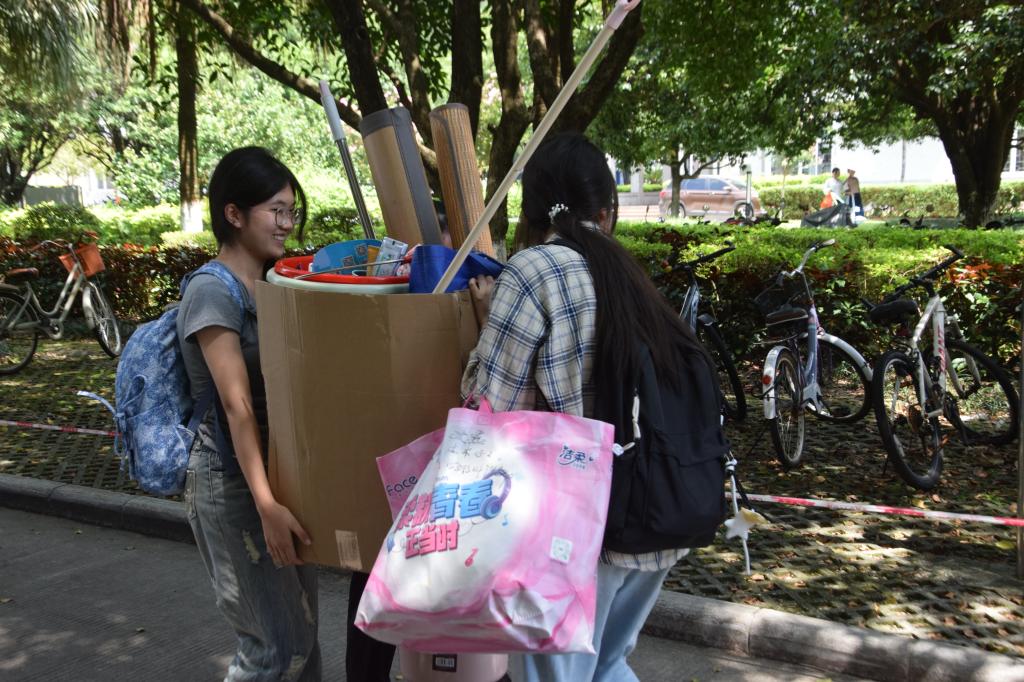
pixel 625 597
pixel 273 611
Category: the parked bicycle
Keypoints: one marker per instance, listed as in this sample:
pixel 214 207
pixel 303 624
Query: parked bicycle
pixel 808 369
pixel 23 318
pixel 706 326
pixel 949 377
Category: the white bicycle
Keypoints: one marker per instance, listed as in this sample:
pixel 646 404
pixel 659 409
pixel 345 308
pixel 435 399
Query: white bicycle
pixel 949 377
pixel 23 318
pixel 830 378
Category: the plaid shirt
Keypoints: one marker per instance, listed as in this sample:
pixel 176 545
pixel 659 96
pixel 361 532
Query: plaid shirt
pixel 537 351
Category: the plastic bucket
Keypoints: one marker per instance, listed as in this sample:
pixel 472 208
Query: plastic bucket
pixel 287 269
pixel 417 667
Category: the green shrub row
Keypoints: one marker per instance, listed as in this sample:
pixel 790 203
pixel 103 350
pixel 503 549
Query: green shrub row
pixel 647 187
pixel 983 290
pixel 152 226
pixel 888 201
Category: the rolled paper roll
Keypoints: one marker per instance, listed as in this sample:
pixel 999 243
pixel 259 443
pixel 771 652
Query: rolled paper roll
pixel 461 187
pixel 399 177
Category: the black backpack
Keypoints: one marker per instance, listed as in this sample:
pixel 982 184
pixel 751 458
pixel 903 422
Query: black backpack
pixel 668 485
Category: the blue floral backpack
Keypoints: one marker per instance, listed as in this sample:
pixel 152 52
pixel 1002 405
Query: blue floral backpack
pixel 155 416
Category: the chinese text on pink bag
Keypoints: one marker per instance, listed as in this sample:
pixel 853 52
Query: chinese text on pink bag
pixel 496 547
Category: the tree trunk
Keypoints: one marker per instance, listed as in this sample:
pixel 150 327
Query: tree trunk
pixel 12 183
pixel 188 150
pixel 467 58
pixel 977 152
pixel 515 117
pixel 350 22
pixel 677 179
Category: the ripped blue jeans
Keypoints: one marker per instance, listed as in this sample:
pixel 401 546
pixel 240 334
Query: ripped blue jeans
pixel 273 611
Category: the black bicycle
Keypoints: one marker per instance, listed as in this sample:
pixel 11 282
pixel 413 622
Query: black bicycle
pixel 734 403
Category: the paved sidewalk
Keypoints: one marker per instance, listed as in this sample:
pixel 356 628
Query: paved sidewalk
pixel 84 603
pixel 685 620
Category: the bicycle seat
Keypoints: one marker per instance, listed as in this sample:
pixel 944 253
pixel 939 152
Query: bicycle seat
pixel 785 314
pixel 21 275
pixel 893 312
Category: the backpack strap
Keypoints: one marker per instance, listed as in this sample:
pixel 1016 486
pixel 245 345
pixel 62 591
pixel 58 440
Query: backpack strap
pixel 221 272
pixel 225 450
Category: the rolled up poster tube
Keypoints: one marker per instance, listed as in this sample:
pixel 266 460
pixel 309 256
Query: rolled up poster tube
pixel 399 177
pixel 461 187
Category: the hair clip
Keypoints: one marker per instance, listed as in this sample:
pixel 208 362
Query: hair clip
pixel 556 209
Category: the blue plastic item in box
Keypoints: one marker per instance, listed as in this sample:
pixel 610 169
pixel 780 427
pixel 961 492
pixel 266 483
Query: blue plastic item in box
pixel 342 254
pixel 429 261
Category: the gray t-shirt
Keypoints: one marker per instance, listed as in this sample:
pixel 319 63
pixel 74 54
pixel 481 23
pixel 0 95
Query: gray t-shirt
pixel 208 303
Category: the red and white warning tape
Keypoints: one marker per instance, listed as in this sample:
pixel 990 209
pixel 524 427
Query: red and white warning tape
pixel 54 427
pixel 883 509
pixel 778 499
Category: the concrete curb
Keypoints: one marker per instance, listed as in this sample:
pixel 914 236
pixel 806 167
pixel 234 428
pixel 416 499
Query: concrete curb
pixel 746 630
pixel 831 647
pixel 146 515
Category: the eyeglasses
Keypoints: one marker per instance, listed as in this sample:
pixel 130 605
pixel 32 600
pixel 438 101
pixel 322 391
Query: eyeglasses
pixel 285 216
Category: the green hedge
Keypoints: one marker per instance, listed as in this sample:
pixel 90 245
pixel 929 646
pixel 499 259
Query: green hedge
pixel 147 226
pixel 982 290
pixel 889 201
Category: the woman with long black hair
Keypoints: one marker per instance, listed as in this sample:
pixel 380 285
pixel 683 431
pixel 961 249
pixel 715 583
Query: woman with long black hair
pixel 572 303
pixel 245 536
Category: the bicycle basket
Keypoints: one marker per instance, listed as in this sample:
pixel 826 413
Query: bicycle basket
pixel 88 256
pixel 776 296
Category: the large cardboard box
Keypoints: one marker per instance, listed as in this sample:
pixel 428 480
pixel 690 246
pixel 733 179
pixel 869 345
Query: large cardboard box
pixel 351 377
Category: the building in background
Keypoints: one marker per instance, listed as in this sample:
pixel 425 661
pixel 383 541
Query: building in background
pixel 87 188
pixel 921 161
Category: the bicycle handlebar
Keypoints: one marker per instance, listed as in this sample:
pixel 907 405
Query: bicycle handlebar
pixel 926 278
pixel 689 265
pixel 65 244
pixel 711 256
pixel 54 242
pixel 816 246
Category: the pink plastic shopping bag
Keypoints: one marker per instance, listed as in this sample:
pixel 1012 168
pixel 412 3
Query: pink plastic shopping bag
pixel 401 469
pixel 496 548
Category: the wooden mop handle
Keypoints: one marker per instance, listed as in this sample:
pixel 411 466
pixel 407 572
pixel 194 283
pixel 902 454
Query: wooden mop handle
pixel 618 14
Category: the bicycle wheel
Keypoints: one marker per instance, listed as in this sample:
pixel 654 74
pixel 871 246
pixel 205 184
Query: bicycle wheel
pixel 19 333
pixel 787 428
pixel 107 331
pixel 733 399
pixel 911 439
pixel 843 384
pixel 983 404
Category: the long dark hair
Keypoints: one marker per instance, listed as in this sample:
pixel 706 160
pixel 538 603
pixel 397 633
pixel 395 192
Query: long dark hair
pixel 247 177
pixel 570 172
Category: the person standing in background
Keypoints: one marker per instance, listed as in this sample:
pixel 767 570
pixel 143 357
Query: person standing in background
pixel 852 189
pixel 833 190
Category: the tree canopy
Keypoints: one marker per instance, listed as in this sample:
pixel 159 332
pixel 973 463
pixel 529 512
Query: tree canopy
pixel 871 71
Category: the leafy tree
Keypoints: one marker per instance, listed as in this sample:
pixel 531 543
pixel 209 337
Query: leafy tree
pixel 42 39
pixel 235 106
pixel 953 67
pixel 656 114
pixel 419 54
pixel 46 94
